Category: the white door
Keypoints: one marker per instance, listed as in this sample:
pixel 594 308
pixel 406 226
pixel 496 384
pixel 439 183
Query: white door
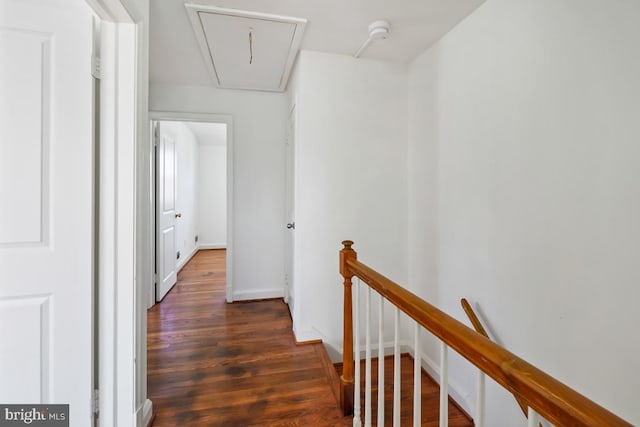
pixel 166 258
pixel 289 292
pixel 46 229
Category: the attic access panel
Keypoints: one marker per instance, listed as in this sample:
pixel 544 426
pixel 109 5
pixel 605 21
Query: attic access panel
pixel 246 50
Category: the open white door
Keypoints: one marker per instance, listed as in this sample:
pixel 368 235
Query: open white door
pixel 46 229
pixel 166 259
pixel 289 291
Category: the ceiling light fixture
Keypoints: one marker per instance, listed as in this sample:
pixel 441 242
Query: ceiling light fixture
pixel 378 30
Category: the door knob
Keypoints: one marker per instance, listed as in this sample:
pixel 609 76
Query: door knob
pixel 291 225
pixel 178 215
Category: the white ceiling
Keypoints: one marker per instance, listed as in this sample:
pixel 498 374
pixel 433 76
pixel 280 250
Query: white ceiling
pixel 335 26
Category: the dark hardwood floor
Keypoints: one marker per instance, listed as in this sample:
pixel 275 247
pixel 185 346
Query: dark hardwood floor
pixel 216 364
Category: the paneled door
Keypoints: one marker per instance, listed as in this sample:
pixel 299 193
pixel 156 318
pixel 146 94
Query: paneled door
pixel 46 186
pixel 166 256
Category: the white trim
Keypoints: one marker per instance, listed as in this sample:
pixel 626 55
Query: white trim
pixel 334 355
pixel 118 314
pixel 213 118
pixel 110 10
pixel 194 10
pixel 145 413
pixel 121 304
pixel 107 227
pixel 212 246
pixel 307 335
pixel 126 225
pixel 186 259
pixel 256 294
pixel 195 251
pixel 144 260
pixel 405 347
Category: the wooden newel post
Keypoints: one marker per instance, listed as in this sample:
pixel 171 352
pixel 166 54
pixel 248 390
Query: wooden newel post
pixel 346 380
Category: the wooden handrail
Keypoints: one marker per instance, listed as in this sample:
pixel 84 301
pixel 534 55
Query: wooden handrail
pixel 473 318
pixel 480 329
pixel 552 399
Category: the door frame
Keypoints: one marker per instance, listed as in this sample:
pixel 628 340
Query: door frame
pixel 209 118
pixel 290 214
pixel 121 221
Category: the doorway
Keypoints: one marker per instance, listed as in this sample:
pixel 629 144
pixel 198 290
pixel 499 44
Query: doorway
pixel 192 193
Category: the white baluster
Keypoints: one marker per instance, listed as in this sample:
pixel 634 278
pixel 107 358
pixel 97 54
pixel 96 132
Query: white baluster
pixel 479 421
pixel 417 378
pixel 444 385
pixel 367 386
pixel 533 418
pixel 357 422
pixel 396 367
pixel 381 361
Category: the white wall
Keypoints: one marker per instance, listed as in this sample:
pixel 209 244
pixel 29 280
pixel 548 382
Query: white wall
pixel 258 167
pixel 351 180
pixel 524 191
pixel 212 196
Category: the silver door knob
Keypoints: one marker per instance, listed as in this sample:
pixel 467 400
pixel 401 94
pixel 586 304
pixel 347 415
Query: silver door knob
pixel 178 215
pixel 291 225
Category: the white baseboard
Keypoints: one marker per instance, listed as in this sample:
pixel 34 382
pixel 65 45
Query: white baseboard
pixel 334 354
pixel 252 294
pixel 195 251
pixel 335 350
pixel 306 335
pixel 212 246
pixel 144 414
pixel 186 259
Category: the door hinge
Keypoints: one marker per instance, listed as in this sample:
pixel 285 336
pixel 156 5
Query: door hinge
pixel 95 66
pixel 95 401
pixel 155 286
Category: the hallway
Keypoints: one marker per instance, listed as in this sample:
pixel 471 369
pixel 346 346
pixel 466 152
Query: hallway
pixel 216 364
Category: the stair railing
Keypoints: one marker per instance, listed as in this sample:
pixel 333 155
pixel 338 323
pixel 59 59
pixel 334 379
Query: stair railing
pixel 477 325
pixel 542 394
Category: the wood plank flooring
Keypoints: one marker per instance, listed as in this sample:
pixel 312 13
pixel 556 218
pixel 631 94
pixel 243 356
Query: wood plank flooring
pixel 216 364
